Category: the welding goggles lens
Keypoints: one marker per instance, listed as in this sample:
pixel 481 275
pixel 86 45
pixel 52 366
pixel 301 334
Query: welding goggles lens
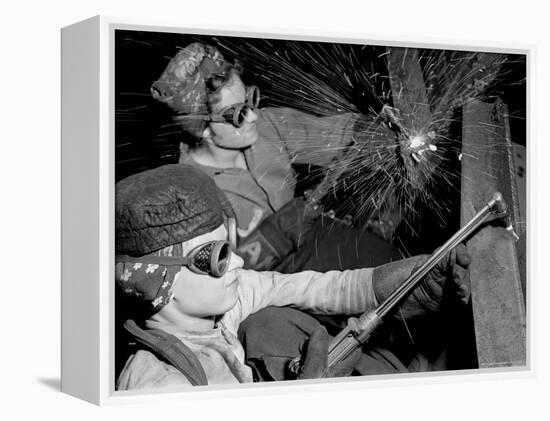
pixel 236 114
pixel 210 259
pixel 253 96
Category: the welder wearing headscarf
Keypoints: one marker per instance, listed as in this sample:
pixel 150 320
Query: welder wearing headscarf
pixel 174 260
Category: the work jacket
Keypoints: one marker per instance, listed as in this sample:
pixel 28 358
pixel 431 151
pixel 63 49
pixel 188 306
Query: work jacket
pixel 219 351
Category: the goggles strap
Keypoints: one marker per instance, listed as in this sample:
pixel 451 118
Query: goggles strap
pixel 195 260
pixel 158 260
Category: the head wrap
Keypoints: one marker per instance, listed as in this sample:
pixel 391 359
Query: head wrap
pixel 156 211
pixel 182 85
pixel 148 284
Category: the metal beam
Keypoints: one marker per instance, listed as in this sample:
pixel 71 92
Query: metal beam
pixel 410 97
pixel 408 88
pixel 497 296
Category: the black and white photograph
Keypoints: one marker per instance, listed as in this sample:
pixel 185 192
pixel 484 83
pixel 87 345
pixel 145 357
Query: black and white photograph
pixel 289 209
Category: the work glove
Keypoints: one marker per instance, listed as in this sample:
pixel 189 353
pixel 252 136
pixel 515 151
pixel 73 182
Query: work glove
pixel 448 278
pixel 314 358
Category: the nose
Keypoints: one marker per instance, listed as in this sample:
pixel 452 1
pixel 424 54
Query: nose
pixel 236 262
pixel 251 116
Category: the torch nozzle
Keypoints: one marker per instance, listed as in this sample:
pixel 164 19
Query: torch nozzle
pixel 498 206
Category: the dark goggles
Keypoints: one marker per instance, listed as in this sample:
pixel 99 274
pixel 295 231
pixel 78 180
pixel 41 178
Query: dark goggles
pixel 236 114
pixel 211 258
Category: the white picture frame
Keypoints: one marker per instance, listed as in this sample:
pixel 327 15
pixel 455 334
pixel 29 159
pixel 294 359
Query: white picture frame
pixel 88 176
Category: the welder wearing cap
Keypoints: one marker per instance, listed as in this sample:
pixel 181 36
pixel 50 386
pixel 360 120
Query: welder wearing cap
pixel 175 264
pixel 249 151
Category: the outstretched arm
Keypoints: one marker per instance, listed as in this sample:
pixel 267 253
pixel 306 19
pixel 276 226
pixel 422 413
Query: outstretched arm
pixel 355 291
pixel 334 292
pixel 317 140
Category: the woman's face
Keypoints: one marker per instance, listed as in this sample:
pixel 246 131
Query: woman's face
pixel 204 295
pixel 225 135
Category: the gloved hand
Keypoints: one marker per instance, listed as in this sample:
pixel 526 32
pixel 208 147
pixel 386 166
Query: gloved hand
pixel 315 358
pixel 449 276
pixel 315 355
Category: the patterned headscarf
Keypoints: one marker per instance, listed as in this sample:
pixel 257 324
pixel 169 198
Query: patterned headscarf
pixel 182 85
pixel 150 283
pixel 155 212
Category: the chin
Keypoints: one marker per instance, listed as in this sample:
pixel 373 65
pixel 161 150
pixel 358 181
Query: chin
pixel 250 135
pixel 239 143
pixel 232 297
pixel 227 303
pixel 254 137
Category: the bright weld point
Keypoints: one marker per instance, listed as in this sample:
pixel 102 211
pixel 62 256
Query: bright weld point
pixel 416 141
pixel 432 148
pixel 460 157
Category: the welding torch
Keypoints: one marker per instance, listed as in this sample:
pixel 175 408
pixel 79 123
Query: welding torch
pixel 359 330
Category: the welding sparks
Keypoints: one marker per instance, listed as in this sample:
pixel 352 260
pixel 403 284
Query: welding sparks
pixel 416 142
pixel 418 146
pixel 327 79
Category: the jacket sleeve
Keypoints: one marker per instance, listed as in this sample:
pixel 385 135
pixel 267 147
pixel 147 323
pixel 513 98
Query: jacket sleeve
pixel 348 292
pixel 309 138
